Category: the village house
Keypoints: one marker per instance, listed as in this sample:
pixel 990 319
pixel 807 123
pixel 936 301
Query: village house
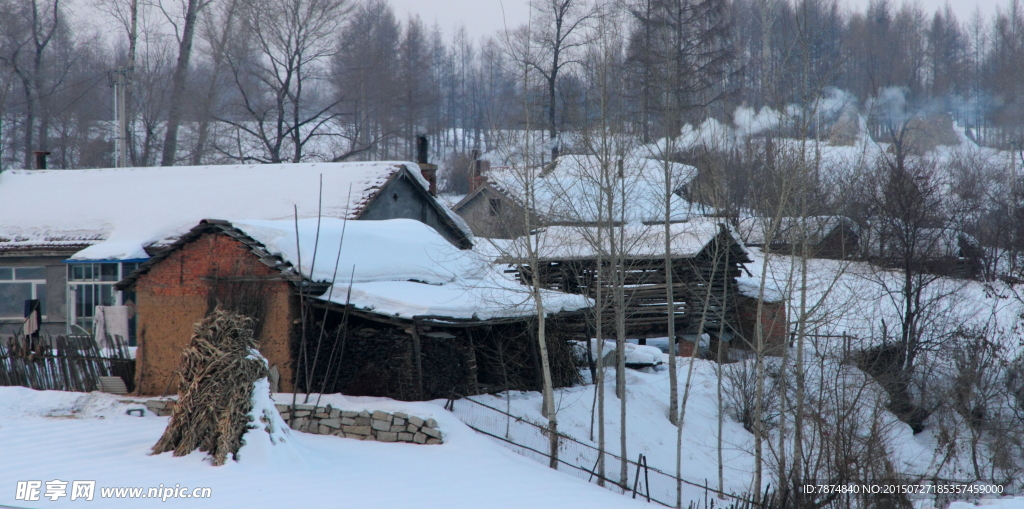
pixel 707 260
pixel 576 190
pixel 370 308
pixel 575 196
pixel 950 252
pixel 67 236
pixel 833 237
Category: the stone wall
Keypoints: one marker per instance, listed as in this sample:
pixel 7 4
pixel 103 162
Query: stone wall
pixel 364 425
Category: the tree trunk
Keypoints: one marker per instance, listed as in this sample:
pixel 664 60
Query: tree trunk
pixel 177 102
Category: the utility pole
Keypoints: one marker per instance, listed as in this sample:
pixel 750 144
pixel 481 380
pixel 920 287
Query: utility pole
pixel 119 81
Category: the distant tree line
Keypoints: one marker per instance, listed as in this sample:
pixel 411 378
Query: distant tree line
pixel 214 81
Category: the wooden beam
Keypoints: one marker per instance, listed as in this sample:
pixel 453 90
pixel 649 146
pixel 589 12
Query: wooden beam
pixel 418 353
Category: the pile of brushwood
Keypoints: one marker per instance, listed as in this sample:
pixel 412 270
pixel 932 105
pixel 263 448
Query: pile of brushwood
pixel 216 377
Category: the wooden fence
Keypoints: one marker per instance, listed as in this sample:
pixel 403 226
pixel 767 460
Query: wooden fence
pixel 63 363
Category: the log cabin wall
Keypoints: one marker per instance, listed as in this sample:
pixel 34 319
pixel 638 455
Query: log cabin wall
pixel 704 286
pixel 360 353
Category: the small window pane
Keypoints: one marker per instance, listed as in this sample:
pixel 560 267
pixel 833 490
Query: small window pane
pixel 128 268
pixel 76 272
pixel 6 274
pixel 106 295
pixel 84 302
pixel 108 272
pixel 24 273
pixel 13 297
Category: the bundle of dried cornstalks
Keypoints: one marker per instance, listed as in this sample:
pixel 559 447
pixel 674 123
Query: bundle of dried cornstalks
pixel 216 379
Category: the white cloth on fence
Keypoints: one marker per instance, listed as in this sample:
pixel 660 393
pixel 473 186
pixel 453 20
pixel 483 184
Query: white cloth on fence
pixel 110 321
pixel 31 325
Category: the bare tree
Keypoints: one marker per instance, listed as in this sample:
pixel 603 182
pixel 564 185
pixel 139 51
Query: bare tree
pixel 277 66
pixel 189 17
pixel 559 29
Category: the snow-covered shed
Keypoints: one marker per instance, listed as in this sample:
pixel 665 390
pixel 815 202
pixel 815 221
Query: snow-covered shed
pixel 706 254
pixel 826 236
pixel 944 251
pixel 66 236
pixel 575 190
pixel 335 314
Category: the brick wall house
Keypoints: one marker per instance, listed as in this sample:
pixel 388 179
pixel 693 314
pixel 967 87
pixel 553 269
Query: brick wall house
pixel 207 269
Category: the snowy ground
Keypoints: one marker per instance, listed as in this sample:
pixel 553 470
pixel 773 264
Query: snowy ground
pixel 74 436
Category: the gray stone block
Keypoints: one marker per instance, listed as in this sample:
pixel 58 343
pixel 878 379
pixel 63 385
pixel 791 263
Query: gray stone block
pixel 339 433
pixel 419 438
pixel 357 430
pixel 405 437
pixel 399 421
pixel 364 413
pixel 349 413
pixel 324 430
pixel 347 421
pixel 381 425
pixel 303 413
pixel 335 413
pixel 431 423
pixel 298 423
pixel 322 415
pixel 305 407
pixel 431 432
pixel 331 423
pixel 415 420
pixel 286 416
pixel 362 421
pixel 387 436
pixel 412 428
pixel 381 416
pixel 433 441
pixel 397 429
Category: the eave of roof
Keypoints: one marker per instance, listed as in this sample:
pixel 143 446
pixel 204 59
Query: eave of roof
pixel 219 226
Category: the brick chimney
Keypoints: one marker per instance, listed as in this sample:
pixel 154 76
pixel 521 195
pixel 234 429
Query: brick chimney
pixel 478 172
pixel 41 158
pixel 429 171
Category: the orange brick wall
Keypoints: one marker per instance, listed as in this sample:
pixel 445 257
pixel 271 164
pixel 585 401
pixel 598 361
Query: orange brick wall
pixel 173 296
pixel 773 322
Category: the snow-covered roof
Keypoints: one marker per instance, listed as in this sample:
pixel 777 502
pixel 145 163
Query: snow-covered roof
pixel 889 239
pixel 688 239
pixel 571 190
pixel 422 274
pixel 792 230
pixel 114 213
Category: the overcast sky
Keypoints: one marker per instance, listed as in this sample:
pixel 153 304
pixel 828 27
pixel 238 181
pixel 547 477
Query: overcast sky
pixel 484 17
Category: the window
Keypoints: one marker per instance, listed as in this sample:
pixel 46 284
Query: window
pixel 18 284
pixel 91 285
pixel 495 207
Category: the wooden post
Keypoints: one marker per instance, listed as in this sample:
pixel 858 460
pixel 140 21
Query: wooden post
pixel 417 352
